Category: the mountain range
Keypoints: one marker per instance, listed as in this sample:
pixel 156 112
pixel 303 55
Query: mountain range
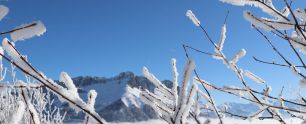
pixel 118 99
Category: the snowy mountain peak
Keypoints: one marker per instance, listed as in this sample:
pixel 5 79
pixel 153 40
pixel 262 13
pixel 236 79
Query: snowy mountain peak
pixel 118 98
pixel 131 97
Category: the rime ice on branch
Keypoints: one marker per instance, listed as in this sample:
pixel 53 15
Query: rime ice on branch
pixel 167 103
pixel 3 11
pixel 246 92
pixel 18 115
pixel 68 95
pixel 26 31
pixel 280 21
pixel 193 18
pixel 92 95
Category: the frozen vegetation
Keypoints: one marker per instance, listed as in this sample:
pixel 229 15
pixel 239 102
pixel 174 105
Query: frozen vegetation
pixel 215 121
pixel 181 101
pixel 227 120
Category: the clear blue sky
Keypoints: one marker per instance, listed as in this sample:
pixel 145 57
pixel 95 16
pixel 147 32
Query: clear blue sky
pixel 104 38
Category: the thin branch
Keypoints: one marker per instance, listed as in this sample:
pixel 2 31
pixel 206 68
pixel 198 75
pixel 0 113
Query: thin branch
pixel 11 31
pixel 197 50
pixel 235 67
pixel 295 19
pixel 225 19
pixel 265 104
pixel 296 53
pixel 195 118
pixel 17 86
pixel 276 50
pixel 98 119
pixel 273 63
pixel 239 116
pixel 278 13
pixel 279 33
pixel 206 90
pixel 27 104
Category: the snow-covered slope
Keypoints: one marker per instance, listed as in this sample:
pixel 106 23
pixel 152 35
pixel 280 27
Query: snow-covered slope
pixel 118 99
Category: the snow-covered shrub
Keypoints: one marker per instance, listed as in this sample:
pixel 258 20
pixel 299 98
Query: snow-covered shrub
pixel 170 105
pixel 32 104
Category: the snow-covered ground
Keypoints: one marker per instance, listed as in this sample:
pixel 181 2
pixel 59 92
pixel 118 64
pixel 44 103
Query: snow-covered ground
pixel 215 121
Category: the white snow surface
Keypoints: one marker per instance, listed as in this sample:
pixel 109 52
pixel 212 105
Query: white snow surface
pixel 131 97
pixel 107 92
pixel 213 121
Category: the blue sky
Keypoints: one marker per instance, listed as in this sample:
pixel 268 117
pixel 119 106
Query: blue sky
pixel 104 38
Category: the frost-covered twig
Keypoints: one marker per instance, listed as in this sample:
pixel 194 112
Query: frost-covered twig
pixel 277 51
pixel 265 5
pixel 92 94
pixel 17 86
pixel 253 76
pixel 240 92
pixel 244 117
pixel 275 25
pixel 18 115
pixel 254 91
pixel 282 22
pixel 278 26
pixel 209 97
pixel 32 111
pixel 297 27
pixel 232 65
pixel 166 102
pixel 68 96
pixel 3 11
pixel 26 31
pixel 274 63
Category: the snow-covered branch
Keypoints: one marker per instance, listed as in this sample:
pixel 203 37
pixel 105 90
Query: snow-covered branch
pixel 26 31
pixel 18 115
pixel 66 95
pixel 169 105
pixel 92 95
pixel 27 100
pixel 232 64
